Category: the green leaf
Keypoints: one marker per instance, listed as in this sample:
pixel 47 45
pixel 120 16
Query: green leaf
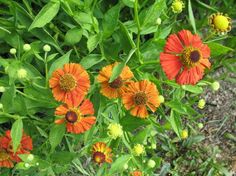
pixel 47 13
pixel 130 123
pixel 73 36
pixel 8 97
pixel 218 49
pixel 93 42
pixel 191 16
pixel 59 62
pixel 63 157
pixel 175 122
pixel 56 134
pixel 91 60
pixel 142 135
pixel 194 89
pixel 116 71
pixel 16 133
pixel 129 3
pixel 180 107
pixel 110 21
pixel 119 163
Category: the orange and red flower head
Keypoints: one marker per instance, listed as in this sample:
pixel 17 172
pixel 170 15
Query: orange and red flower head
pixel 5 159
pixel 139 97
pixel 24 148
pixel 101 153
pixel 136 173
pixel 70 84
pixel 185 58
pixel 115 88
pixel 78 117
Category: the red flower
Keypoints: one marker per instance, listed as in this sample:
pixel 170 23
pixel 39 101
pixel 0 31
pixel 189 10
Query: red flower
pixel 24 147
pixel 78 117
pixel 185 58
pixel 5 159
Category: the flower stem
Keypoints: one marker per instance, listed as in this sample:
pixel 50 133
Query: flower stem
pixel 46 69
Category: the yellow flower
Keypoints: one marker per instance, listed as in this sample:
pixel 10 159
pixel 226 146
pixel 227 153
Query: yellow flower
pixel 21 73
pixel 177 6
pixel 201 103
pixel 161 99
pixel 220 23
pixel 184 134
pixel 138 149
pixel 115 130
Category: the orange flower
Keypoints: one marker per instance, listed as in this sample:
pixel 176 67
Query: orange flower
pixel 140 95
pixel 136 173
pixel 78 117
pixel 116 87
pixel 70 84
pixel 101 153
pixel 5 159
pixel 185 58
pixel 24 147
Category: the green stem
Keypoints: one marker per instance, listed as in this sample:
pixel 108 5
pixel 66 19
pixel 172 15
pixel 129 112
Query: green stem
pixel 76 52
pixel 46 69
pixel 9 115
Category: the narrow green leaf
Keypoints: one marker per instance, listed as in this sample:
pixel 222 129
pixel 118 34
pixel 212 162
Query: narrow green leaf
pixel 47 13
pixel 93 41
pixel 56 134
pixel 91 60
pixel 116 71
pixel 175 122
pixel 16 133
pixel 191 16
pixel 119 163
pixel 73 36
pixel 58 63
pixel 194 89
pixel 218 49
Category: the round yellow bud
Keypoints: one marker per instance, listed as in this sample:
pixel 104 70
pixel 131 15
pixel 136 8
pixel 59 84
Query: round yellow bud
pixel 13 51
pixel 138 149
pixel 161 99
pixel 200 125
pixel 30 157
pixel 201 103
pixel 184 134
pixel 115 130
pixel 2 89
pixel 154 146
pixel 177 6
pixel 26 47
pixel 125 166
pixel 46 48
pixel 215 86
pixel 1 106
pixel 158 21
pixel 151 163
pixel 21 73
pixel 221 22
pixel 27 165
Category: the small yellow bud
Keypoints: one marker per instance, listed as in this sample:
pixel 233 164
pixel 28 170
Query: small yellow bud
pixel 200 125
pixel 138 149
pixel 30 157
pixel 1 106
pixel 184 134
pixel 161 99
pixel 215 86
pixel 154 146
pixel 13 51
pixel 125 166
pixel 115 130
pixel 158 21
pixel 2 89
pixel 151 163
pixel 46 48
pixel 177 6
pixel 201 103
pixel 27 165
pixel 21 73
pixel 26 47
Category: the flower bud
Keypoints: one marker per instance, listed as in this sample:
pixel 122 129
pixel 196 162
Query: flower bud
pixel 27 165
pixel 151 163
pixel 1 106
pixel 13 51
pixel 26 47
pixel 2 89
pixel 177 6
pixel 125 166
pixel 184 134
pixel 161 99
pixel 115 130
pixel 200 125
pixel 30 157
pixel 215 86
pixel 46 48
pixel 138 149
pixel 201 103
pixel 21 73
pixel 154 146
pixel 158 21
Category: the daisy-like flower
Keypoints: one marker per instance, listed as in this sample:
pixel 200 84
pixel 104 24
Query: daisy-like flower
pixel 115 130
pixel 78 116
pixel 136 173
pixel 101 153
pixel 5 159
pixel 116 87
pixel 24 148
pixel 220 23
pixel 70 84
pixel 138 150
pixel 185 58
pixel 139 96
pixel 177 6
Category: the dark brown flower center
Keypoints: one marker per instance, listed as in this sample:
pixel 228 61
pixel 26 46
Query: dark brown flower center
pixel 117 83
pixel 194 56
pixel 140 98
pixel 3 156
pixel 71 116
pixel 67 82
pixel 99 157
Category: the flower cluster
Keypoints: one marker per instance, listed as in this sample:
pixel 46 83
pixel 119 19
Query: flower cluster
pixel 7 155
